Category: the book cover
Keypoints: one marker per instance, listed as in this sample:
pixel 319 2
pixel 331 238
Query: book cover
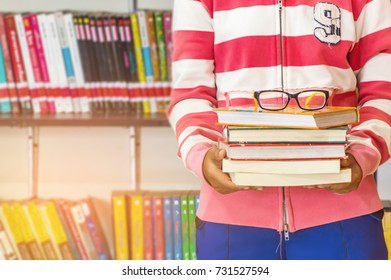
pixel 168 228
pixel 71 98
pixel 134 90
pixel 387 225
pixel 147 59
pixel 5 100
pixel 6 244
pixel 9 72
pixel 83 229
pixel 192 226
pixel 48 60
pixel 185 227
pixel 158 227
pixel 167 25
pixel 38 59
pixel 148 227
pixel 248 135
pixel 18 67
pixel 177 220
pixel 287 180
pixel 282 151
pixel 138 53
pixel 136 226
pixel 22 38
pixel 58 230
pixel 59 222
pixel 162 58
pixel 120 226
pixel 307 166
pixel 81 99
pixel 40 229
pixel 27 232
pixel 62 94
pixel 291 117
pixel 65 208
pixel 95 228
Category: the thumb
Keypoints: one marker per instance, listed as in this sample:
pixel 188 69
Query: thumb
pixel 221 154
pixel 345 162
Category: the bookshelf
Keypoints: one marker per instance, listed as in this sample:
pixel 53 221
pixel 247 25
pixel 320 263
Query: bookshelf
pixel 43 155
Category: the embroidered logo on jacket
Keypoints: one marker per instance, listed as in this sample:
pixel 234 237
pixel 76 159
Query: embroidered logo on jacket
pixel 328 16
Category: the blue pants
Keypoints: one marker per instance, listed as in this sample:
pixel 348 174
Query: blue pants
pixel 360 238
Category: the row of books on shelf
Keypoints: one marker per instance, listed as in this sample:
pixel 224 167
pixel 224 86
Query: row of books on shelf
pixel 155 225
pixel 51 229
pixel 70 62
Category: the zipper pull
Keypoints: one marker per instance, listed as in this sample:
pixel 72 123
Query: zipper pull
pixel 286 232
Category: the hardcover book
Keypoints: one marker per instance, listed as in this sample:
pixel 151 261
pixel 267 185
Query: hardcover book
pixel 289 180
pixel 291 117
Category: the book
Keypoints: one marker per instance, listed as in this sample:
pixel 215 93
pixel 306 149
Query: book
pixel 9 72
pixel 185 227
pixel 192 226
pixel 168 228
pixel 58 230
pixel 18 67
pixel 5 100
pixel 282 151
pixel 289 180
pixel 95 228
pixel 148 227
pixel 136 226
pixel 40 229
pixel 387 225
pixel 120 225
pixel 7 248
pixel 307 166
pixel 243 134
pixel 291 117
pixel 158 227
pixel 177 220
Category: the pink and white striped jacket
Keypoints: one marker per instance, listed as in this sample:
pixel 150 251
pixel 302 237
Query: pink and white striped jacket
pixel 341 45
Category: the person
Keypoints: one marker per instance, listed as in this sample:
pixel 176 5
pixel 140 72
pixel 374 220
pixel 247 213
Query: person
pixel 341 46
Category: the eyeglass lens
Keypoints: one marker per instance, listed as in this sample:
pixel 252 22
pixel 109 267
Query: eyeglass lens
pixel 278 100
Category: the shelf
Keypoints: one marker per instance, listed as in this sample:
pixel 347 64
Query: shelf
pixel 74 119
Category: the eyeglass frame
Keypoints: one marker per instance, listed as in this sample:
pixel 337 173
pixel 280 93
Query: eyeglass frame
pixel 257 93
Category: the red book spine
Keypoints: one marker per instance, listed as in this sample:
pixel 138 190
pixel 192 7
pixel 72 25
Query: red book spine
pixel 65 208
pixel 34 44
pixel 148 228
pixel 17 65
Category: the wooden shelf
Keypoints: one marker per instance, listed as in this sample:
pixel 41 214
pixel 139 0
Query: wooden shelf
pixel 74 119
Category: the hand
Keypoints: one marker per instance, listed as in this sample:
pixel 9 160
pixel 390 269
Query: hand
pixel 342 188
pixel 220 181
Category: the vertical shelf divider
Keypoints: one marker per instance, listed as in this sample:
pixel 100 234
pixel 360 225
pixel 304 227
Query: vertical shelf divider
pixel 33 160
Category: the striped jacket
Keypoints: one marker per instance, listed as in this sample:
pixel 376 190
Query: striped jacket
pixel 341 45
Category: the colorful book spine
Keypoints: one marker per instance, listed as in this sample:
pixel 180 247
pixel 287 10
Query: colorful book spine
pixel 6 247
pixel 18 67
pixel 38 60
pixel 158 227
pixel 120 221
pixel 148 228
pixel 95 229
pixel 177 220
pixel 138 51
pixel 167 24
pixel 192 227
pixel 60 236
pixel 168 228
pixel 40 230
pixel 8 72
pixel 137 227
pixel 185 227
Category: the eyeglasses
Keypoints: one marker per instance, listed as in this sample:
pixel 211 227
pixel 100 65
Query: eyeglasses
pixel 275 100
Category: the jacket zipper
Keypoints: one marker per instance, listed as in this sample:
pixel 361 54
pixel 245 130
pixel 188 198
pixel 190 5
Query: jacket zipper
pixel 285 214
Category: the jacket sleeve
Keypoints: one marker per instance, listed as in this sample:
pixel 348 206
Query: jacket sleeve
pixel 193 92
pixel 370 58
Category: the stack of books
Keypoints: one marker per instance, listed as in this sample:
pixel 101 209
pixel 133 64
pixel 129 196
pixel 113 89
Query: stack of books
pixel 291 147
